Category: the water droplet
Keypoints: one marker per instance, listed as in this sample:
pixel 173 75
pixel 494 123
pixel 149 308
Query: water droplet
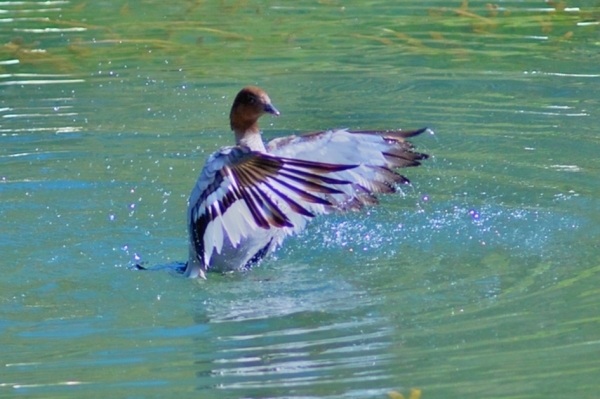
pixel 474 214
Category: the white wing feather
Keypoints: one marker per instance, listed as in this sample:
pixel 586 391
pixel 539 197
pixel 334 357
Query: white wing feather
pixel 240 191
pixel 377 154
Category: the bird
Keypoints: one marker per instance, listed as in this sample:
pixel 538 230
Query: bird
pixel 250 196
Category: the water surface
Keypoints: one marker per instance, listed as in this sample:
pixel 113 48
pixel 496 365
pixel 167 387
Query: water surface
pixel 479 280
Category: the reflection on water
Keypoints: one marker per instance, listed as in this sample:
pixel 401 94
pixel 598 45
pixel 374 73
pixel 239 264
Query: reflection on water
pixel 479 280
pixel 302 336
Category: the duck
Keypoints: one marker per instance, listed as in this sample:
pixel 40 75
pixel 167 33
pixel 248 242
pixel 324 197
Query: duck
pixel 250 196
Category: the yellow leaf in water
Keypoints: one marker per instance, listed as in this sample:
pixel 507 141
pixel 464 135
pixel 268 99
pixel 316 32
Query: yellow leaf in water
pixel 395 395
pixel 415 393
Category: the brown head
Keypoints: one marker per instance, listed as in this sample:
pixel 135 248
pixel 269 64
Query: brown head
pixel 249 105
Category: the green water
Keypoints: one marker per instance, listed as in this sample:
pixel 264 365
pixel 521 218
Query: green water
pixel 478 281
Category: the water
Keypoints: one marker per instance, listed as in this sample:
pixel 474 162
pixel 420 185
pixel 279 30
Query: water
pixel 479 280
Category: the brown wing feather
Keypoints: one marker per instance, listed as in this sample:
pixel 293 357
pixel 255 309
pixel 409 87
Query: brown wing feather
pixel 254 169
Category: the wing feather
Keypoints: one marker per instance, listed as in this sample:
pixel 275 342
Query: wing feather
pixel 295 206
pixel 303 193
pixel 313 184
pixel 373 155
pixel 240 190
pixel 254 204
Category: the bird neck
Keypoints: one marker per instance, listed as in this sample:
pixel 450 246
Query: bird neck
pixel 250 137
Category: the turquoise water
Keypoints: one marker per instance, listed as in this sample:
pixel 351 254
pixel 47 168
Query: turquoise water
pixel 479 280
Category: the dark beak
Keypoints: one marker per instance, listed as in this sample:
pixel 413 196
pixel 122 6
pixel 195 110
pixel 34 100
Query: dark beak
pixel 271 110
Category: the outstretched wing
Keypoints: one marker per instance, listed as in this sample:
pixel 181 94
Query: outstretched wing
pixel 240 190
pixel 377 154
